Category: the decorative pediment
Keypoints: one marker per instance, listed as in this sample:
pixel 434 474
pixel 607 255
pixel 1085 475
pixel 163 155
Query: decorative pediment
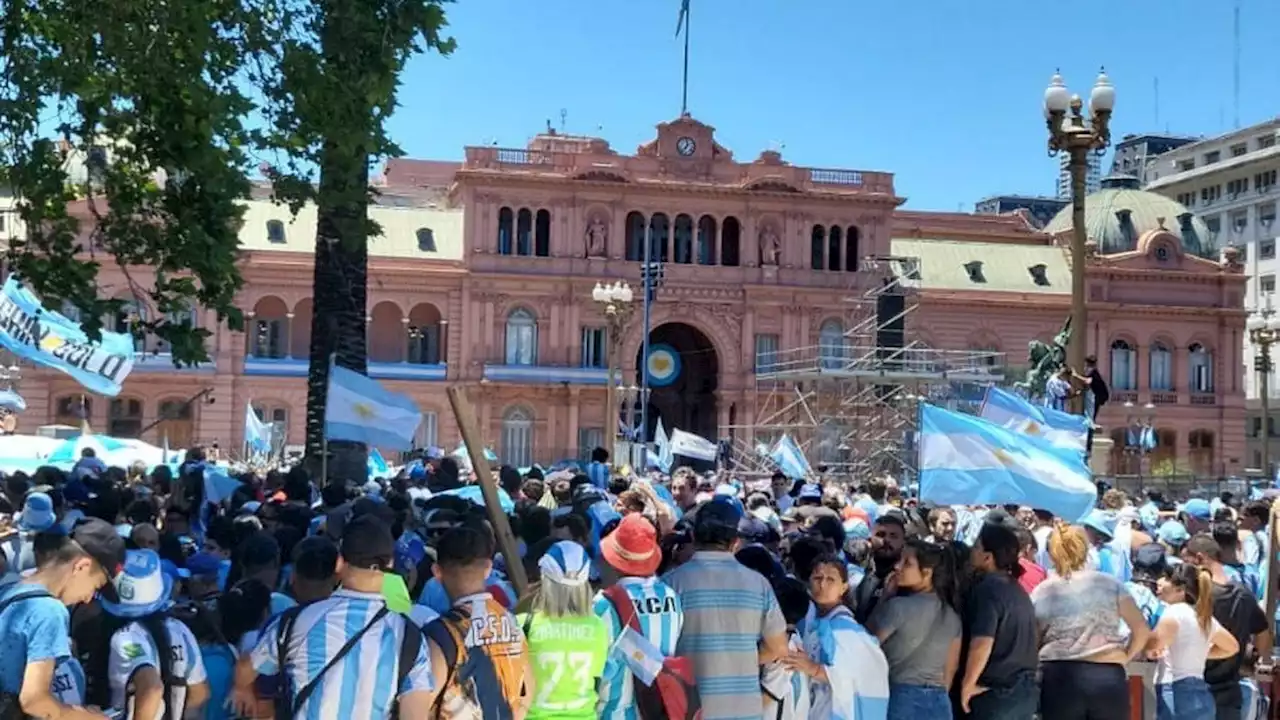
pixel 1162 250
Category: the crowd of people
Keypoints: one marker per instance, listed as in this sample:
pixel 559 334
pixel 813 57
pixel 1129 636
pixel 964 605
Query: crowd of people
pixel 131 594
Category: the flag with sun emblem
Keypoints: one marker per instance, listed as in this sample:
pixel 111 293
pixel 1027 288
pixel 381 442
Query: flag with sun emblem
pixel 1012 412
pixel 965 460
pixel 360 410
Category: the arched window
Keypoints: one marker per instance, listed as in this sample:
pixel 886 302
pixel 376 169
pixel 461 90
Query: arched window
pixel 505 221
pixel 522 338
pixel 835 244
pixel 1201 365
pixel 730 231
pixel 524 232
pixel 851 251
pixel 659 229
pixel 426 240
pixel 707 240
pixel 124 418
pixel 182 318
pixel 818 248
pixel 831 345
pixel 635 236
pixel 517 438
pixel 684 239
pixel 275 232
pixel 542 234
pixel 1161 367
pixel 1124 369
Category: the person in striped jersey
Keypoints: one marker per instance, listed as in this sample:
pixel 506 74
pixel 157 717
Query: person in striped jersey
pixel 631 557
pixel 367 681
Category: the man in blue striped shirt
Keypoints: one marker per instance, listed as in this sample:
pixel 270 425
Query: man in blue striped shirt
pixel 732 622
pixel 366 682
pixel 631 557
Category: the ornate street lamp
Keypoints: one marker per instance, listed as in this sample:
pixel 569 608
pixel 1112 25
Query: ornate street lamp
pixel 1264 331
pixel 1071 134
pixel 615 302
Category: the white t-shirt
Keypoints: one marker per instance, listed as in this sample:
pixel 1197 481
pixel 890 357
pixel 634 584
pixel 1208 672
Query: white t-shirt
pixel 1185 657
pixel 132 648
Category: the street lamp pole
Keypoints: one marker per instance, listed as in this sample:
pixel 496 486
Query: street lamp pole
pixel 615 302
pixel 1071 134
pixel 1264 331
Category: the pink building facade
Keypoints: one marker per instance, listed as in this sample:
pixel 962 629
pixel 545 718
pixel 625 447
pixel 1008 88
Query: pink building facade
pixel 483 277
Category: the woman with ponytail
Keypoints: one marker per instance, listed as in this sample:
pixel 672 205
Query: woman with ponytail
pixel 1186 636
pixel 1082 614
pixel 920 631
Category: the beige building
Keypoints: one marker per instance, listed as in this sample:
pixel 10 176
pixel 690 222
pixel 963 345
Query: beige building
pixel 1230 181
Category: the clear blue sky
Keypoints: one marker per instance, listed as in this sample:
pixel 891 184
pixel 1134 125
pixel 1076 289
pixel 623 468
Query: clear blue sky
pixel 944 93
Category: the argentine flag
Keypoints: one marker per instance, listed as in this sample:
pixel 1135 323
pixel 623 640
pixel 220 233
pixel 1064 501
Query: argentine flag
pixel 257 434
pixel 1012 412
pixel 965 460
pixel 360 410
pixel 641 656
pixel 787 456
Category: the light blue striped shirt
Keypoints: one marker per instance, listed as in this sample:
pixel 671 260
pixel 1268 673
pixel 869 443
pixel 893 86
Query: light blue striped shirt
pixel 660 616
pixel 360 686
pixel 728 610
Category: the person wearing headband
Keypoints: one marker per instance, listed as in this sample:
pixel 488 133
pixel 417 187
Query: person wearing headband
pixel 568 643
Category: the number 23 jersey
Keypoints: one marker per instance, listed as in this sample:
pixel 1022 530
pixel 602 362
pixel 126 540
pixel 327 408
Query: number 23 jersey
pixel 133 649
pixel 567 654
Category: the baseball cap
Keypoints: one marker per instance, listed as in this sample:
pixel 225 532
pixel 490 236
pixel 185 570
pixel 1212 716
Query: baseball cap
pixel 367 543
pixel 100 541
pixel 719 511
pixel 754 530
pixel 1173 533
pixel 203 564
pixel 565 563
pixel 1149 560
pixel 1197 508
pixel 810 492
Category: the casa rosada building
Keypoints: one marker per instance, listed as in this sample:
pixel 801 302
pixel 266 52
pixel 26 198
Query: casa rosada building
pixel 484 274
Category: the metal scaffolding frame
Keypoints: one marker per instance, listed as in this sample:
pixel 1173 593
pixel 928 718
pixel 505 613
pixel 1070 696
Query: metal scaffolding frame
pixel 853 405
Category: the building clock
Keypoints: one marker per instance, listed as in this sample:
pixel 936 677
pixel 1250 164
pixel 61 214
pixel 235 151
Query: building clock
pixel 686 146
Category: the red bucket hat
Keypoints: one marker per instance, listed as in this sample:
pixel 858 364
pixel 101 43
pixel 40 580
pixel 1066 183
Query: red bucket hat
pixel 632 548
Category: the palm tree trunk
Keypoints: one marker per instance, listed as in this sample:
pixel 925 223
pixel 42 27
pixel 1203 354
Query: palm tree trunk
pixel 340 285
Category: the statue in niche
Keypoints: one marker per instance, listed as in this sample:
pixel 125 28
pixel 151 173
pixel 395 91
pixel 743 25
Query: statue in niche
pixel 770 247
pixel 597 237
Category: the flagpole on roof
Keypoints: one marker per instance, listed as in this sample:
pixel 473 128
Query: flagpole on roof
pixel 682 24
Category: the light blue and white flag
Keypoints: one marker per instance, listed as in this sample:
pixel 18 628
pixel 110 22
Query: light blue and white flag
pixel 1015 413
pixel 378 466
pixel 965 460
pixel 662 458
pixel 462 455
pixel 257 434
pixel 789 459
pixel 644 659
pixel 47 338
pixel 12 400
pixel 693 446
pixel 360 410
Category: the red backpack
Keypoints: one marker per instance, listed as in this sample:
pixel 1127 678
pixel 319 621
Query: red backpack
pixel 674 692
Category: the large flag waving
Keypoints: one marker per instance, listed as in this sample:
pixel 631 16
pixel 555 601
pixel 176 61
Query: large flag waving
pixel 257 434
pixel 361 410
pixel 1012 412
pixel 965 460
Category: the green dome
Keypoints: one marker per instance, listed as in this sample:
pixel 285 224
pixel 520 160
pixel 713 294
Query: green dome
pixel 1118 214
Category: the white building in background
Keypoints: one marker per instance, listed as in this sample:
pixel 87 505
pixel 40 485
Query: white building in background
pixel 1231 182
pixel 1092 177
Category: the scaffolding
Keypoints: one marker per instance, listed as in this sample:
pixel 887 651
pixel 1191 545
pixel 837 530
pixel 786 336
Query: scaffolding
pixel 851 402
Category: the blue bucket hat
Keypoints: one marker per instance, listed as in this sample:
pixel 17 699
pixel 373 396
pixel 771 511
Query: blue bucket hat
pixel 37 513
pixel 1101 522
pixel 142 587
pixel 1173 533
